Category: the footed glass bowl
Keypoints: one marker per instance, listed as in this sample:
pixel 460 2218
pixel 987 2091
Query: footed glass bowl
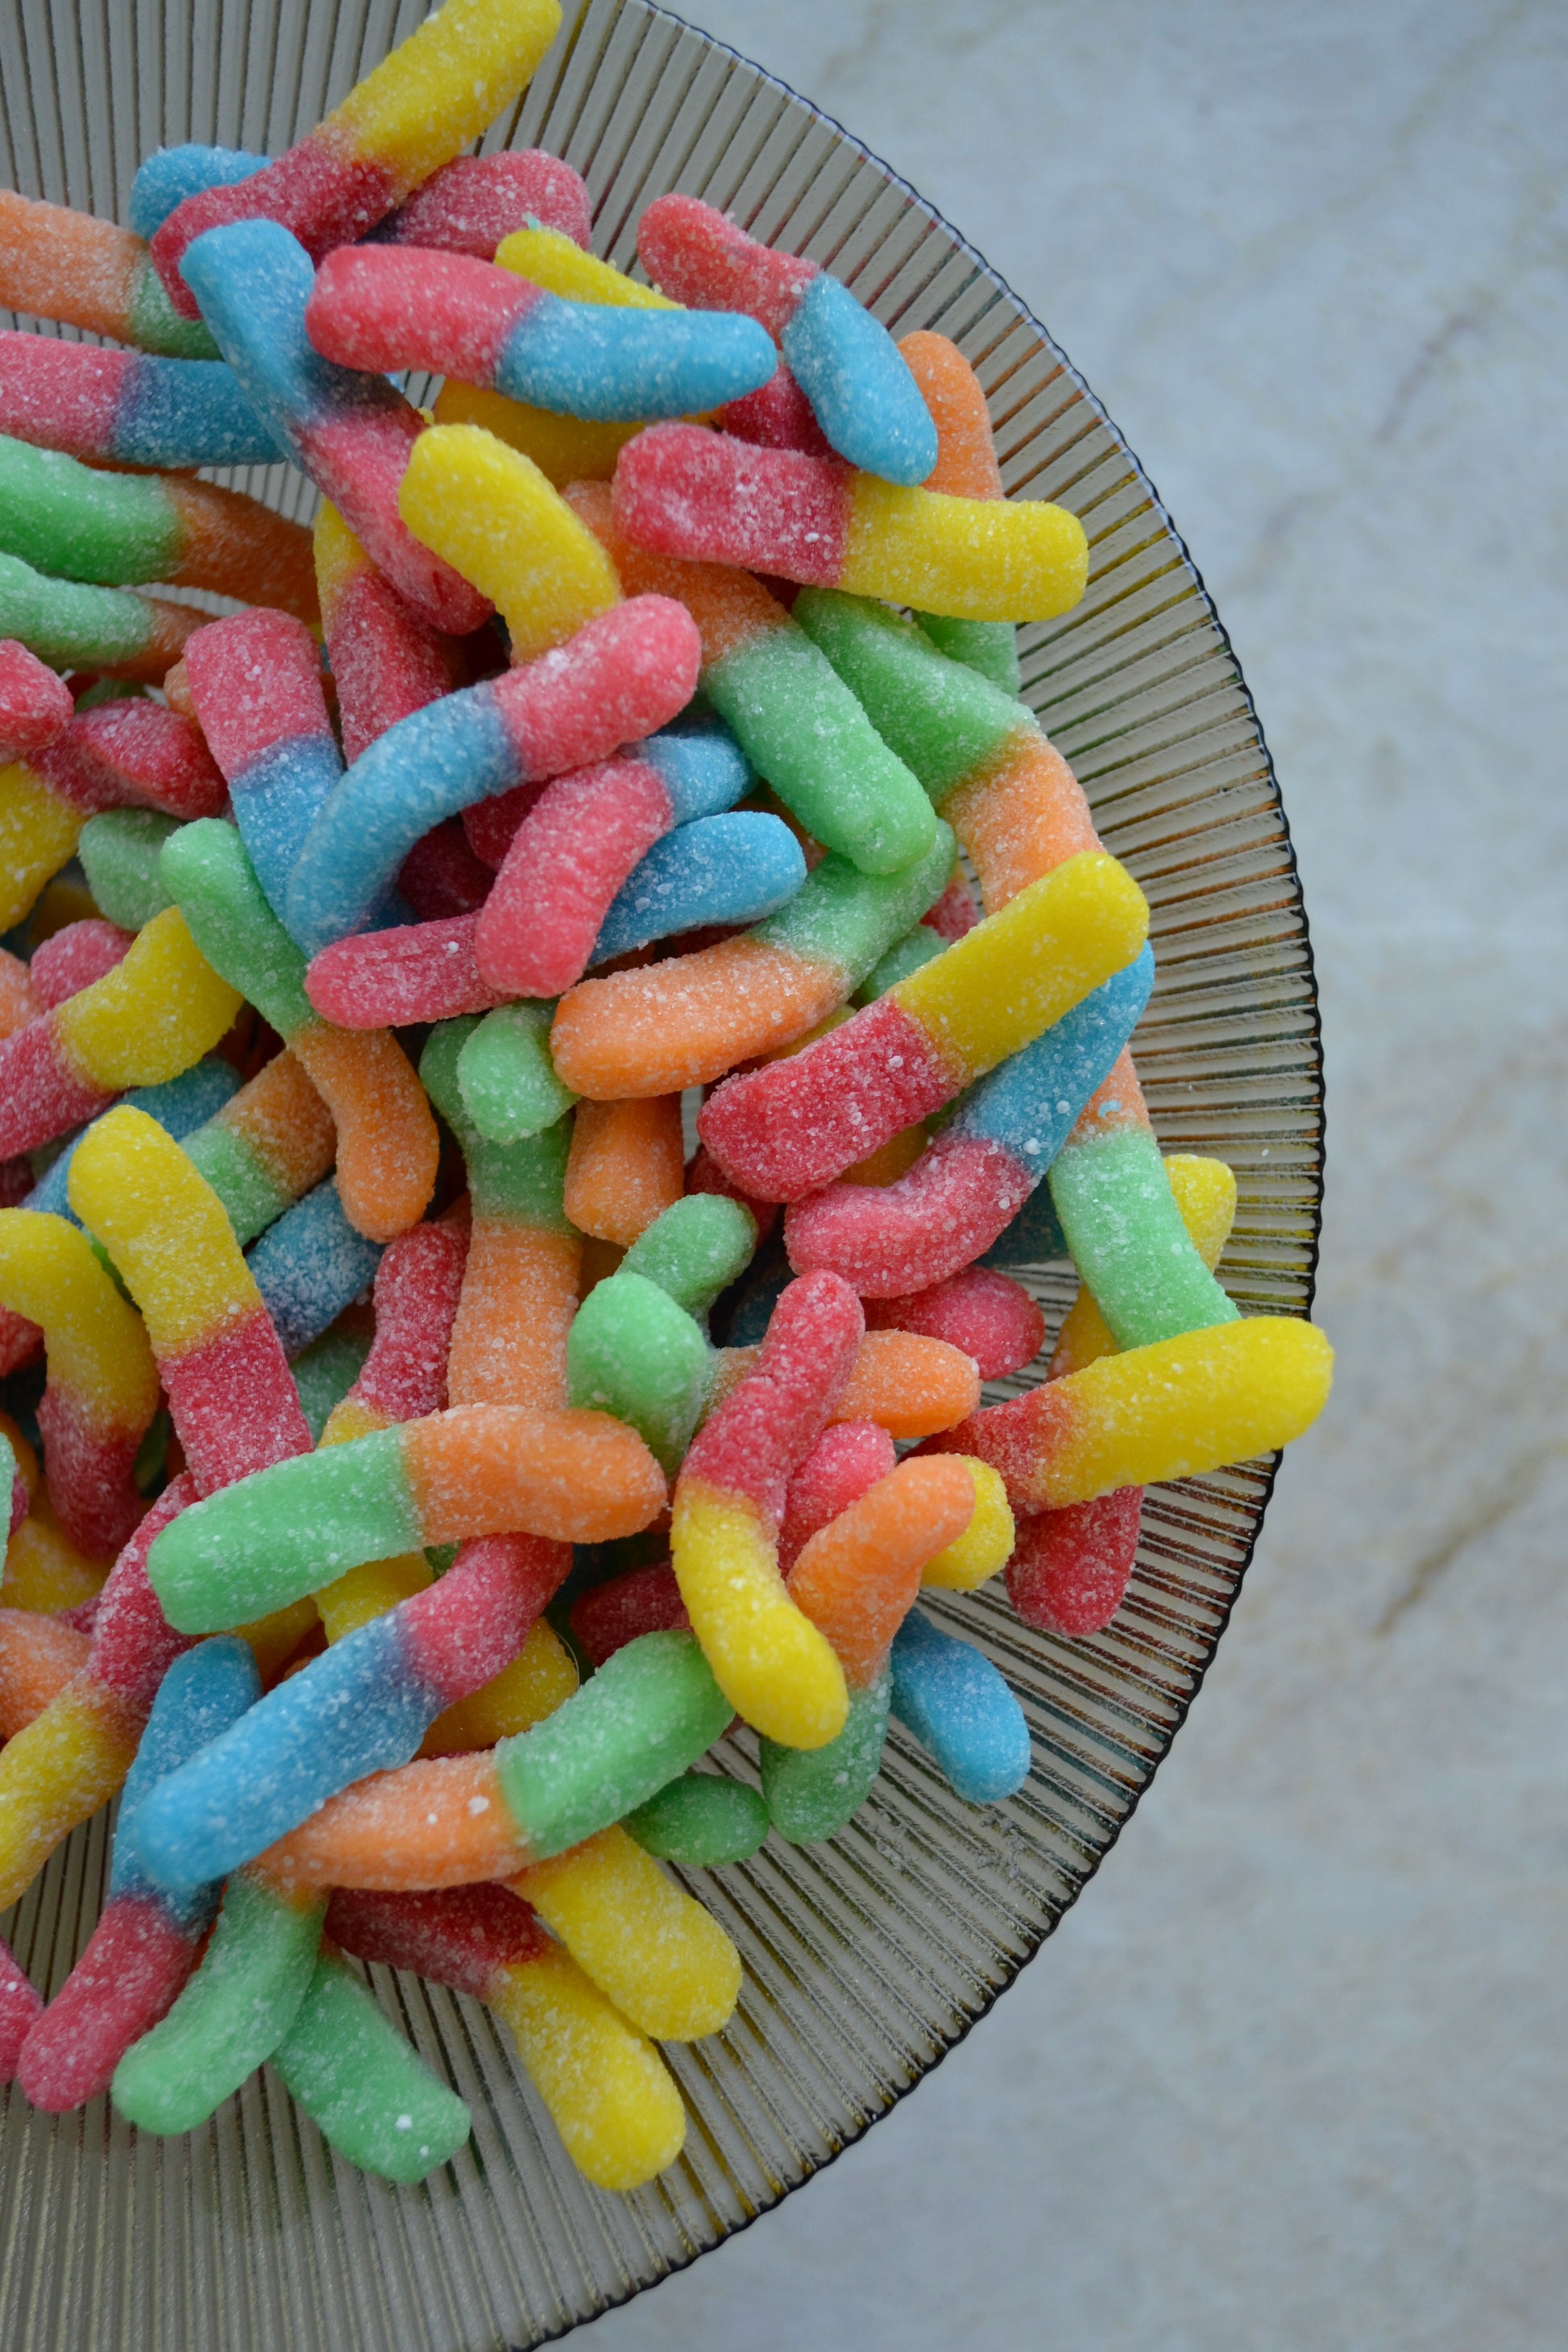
pixel 867 1959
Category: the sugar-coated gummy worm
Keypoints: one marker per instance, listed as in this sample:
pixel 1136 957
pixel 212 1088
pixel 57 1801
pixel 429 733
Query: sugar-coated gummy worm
pixel 351 433
pixel 131 753
pixel 415 111
pixel 72 1757
pixel 153 1015
pixel 35 705
pixel 524 1261
pixel 72 958
pixel 848 1459
pixel 965 467
pixel 682 490
pixel 971 1181
pixel 857 1577
pixel 701 1821
pixel 910 1385
pixel 579 1477
pixel 387 1147
pixel 792 716
pixel 232 2014
pixel 263 1148
pixel 860 387
pixel 625 1168
pixel 607 2089
pixel 1123 1224
pixel 116 630
pixel 564 448
pixel 118 530
pixel 959 1708
pixel 473 203
pixel 489 513
pixel 145 1943
pixel 120 408
pixel 730 869
pixel 774 1665
pixel 377 308
pixel 229 1390
pixel 990 1316
pixel 21 2004
pixel 256 682
pixel 418 1284
pixel 38 1655
pixel 58 264
pixel 610 1616
pixel 102 1387
pixel 1172 1410
pixel 386 662
pixel 310 1266
pixel 1012 798
pixel 169 174
pixel 581 842
pixel 648 1946
pixel 364 1706
pixel 1020 813
pixel 795 1125
pixel 636 1346
pixel 687 1020
pixel 365 2088
pixel 648 1715
pixel 1071 1566
pixel 621 677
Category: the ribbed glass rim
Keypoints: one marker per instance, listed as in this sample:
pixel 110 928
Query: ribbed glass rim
pixel 868 1960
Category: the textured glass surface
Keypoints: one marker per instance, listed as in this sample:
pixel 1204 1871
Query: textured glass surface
pixel 866 1961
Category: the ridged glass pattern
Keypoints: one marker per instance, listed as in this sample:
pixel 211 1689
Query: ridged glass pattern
pixel 867 1959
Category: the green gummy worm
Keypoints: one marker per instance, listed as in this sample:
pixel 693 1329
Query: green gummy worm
pixel 694 1249
pixel 120 852
pixel 811 1792
pixel 79 523
pixel 273 1537
pixel 1127 1239
pixel 208 868
pixel 989 646
pixel 650 1711
pixel 505 1077
pixel 633 1352
pixel 232 2014
pixel 939 716
pixel 850 920
pixel 368 2092
pixel 701 1821
pixel 524 1181
pixel 823 756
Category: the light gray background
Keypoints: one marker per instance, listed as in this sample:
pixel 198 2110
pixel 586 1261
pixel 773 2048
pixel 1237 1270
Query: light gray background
pixel 1294 2074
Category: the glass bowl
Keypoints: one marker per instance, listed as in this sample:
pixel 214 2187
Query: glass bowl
pixel 869 1958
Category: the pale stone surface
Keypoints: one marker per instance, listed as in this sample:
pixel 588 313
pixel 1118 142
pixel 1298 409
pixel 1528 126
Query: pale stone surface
pixel 1295 2073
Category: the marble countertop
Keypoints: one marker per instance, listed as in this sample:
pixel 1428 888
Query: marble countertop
pixel 1294 2072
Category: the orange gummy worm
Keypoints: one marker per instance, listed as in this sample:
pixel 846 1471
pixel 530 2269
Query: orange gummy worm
pixel 856 1578
pixel 628 1165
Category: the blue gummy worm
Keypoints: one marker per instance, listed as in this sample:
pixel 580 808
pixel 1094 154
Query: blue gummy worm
pixel 179 1105
pixel 721 869
pixel 859 383
pixel 586 359
pixel 309 1264
pixel 1030 1105
pixel 202 1694
pixel 172 173
pixel 959 1708
pixel 359 1708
